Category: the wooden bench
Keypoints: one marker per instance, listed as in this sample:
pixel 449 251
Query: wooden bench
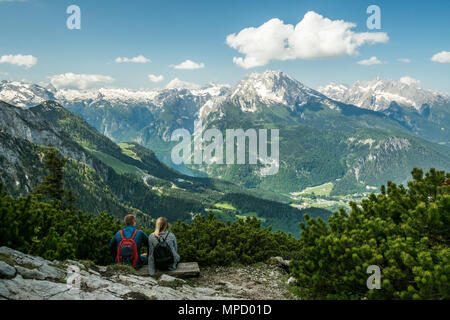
pixel 184 270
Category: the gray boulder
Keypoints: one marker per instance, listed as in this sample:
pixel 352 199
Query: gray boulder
pixel 6 271
pixel 30 273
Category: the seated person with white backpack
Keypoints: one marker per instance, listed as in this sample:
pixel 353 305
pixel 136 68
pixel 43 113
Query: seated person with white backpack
pixel 162 254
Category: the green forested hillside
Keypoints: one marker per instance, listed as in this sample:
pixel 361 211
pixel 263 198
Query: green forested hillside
pixel 47 223
pixel 353 147
pixel 104 176
pixel 82 133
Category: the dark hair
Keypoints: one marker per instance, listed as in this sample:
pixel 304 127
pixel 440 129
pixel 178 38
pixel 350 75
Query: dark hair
pixel 129 219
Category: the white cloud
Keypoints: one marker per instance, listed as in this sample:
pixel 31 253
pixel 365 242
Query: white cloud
pixel 370 61
pixel 137 59
pixel 314 37
pixel 155 78
pixel 19 60
pixel 404 60
pixel 179 84
pixel 409 80
pixel 441 57
pixel 79 81
pixel 188 65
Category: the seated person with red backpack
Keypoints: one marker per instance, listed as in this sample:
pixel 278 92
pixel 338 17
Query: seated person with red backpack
pixel 126 244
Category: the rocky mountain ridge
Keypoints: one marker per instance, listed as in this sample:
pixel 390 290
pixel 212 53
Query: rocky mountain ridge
pixel 25 94
pixel 425 113
pixel 379 93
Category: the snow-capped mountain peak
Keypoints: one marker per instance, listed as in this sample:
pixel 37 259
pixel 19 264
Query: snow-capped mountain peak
pixel 266 89
pixel 270 87
pixel 23 94
pixel 211 89
pixel 378 94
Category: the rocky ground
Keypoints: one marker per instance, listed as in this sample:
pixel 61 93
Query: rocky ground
pixel 261 281
pixel 28 277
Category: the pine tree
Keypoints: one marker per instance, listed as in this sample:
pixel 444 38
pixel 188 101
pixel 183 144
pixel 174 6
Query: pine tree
pixel 404 231
pixel 52 186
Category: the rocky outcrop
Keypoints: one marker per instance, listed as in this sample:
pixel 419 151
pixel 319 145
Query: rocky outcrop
pixel 280 262
pixel 26 277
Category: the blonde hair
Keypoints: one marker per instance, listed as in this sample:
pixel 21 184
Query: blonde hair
pixel 161 226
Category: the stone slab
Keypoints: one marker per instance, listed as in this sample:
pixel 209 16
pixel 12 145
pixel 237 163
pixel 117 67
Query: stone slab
pixel 184 270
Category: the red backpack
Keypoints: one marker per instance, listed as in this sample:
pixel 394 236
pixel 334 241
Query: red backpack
pixel 127 252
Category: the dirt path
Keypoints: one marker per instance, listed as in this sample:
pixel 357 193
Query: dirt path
pixel 256 282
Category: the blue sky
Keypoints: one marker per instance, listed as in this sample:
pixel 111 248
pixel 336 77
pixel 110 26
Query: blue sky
pixel 171 32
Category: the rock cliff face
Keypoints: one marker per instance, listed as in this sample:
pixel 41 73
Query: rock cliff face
pixel 27 277
pixel 21 131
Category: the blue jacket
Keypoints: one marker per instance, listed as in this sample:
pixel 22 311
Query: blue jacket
pixel 140 238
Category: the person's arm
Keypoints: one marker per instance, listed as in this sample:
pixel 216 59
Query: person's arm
pixel 175 243
pixel 151 258
pixel 144 240
pixel 113 247
pixel 175 248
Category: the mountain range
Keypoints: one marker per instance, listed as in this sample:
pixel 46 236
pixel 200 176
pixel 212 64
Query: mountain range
pixel 356 137
pixel 423 112
pixel 321 139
